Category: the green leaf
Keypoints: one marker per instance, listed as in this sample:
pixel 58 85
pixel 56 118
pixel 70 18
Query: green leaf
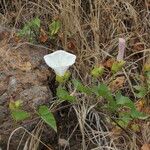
pixel 122 123
pixel 135 127
pixel 47 116
pixel 117 66
pixel 125 101
pixel 125 117
pixel 35 23
pixel 94 89
pixel 81 88
pixel 122 100
pixel 141 91
pixel 139 115
pixel 64 95
pixel 105 92
pixel 14 105
pixel 29 27
pixel 147 75
pixel 97 71
pixel 19 115
pixel 54 27
pixel 18 103
pixel 25 31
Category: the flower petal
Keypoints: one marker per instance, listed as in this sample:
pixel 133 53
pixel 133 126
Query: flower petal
pixel 60 61
pixel 60 71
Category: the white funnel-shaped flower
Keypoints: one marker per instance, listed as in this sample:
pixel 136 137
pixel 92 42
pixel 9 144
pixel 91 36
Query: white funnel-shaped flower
pixel 60 61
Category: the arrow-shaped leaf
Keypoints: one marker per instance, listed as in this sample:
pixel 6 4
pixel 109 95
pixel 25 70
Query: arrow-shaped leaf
pixel 47 116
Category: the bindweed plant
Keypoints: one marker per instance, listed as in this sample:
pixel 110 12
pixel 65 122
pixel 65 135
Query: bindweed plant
pixel 118 105
pixel 142 90
pixel 17 112
pixel 59 61
pixel 32 30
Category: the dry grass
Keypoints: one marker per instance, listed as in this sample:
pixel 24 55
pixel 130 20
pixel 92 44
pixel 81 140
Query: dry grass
pixel 94 26
pixel 32 142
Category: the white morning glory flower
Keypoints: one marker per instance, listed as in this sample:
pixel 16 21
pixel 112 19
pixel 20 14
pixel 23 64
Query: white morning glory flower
pixel 122 45
pixel 60 61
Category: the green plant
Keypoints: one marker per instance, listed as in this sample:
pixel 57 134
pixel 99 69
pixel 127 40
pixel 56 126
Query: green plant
pixel 16 111
pixel 54 28
pixel 117 66
pixel 47 116
pixel 18 114
pixel 115 103
pixel 63 94
pixel 143 90
pixel 97 71
pixel 31 29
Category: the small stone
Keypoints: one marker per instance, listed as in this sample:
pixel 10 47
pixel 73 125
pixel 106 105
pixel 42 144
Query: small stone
pixel 63 142
pixel 39 101
pixel 34 92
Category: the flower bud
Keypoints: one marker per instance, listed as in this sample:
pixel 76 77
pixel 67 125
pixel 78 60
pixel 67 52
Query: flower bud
pixel 117 66
pixel 97 71
pixel 122 45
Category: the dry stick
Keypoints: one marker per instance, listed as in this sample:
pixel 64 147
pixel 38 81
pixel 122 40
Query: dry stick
pixel 108 148
pixel 21 140
pixel 31 44
pixel 37 134
pixel 8 143
pixel 135 62
pixel 81 125
pixel 27 141
pixel 71 135
pixel 145 50
pixel 17 18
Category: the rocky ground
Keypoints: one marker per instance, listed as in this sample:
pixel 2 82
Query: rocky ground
pixel 23 76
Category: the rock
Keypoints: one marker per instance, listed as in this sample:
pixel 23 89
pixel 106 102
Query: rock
pixel 63 142
pixel 23 76
pixel 3 98
pixel 35 96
